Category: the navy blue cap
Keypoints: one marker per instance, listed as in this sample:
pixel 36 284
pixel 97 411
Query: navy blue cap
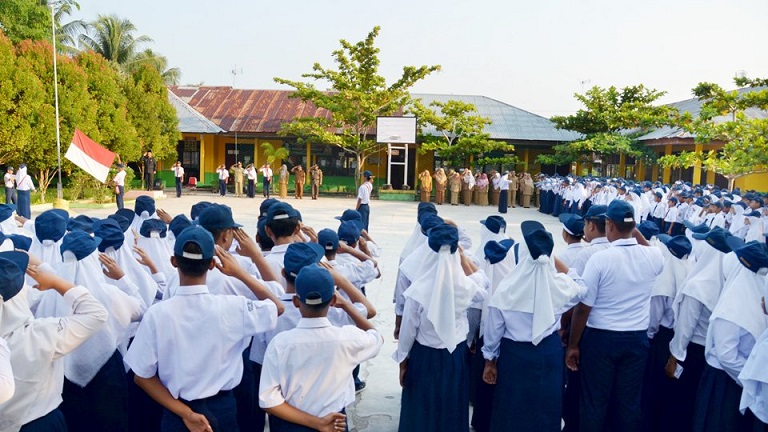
pixel 13 265
pixel 328 239
pixel 573 223
pixel 198 207
pixel 443 235
pixel 50 225
pixel 80 223
pixel 429 221
pixel 752 255
pixel 80 243
pixel 424 209
pixel 658 194
pixel 717 204
pixel 110 232
pixel 21 242
pixel 596 212
pixel 620 211
pixel 300 255
pixel 352 215
pixel 126 213
pixel 727 204
pixel 679 246
pixel 367 174
pixel 217 217
pixel 648 229
pixel 495 224
pixel 261 229
pixel 22 166
pixel 716 237
pixel 265 205
pixel 701 228
pixel 144 204
pixel 6 211
pixel 122 222
pixel 742 204
pixel 753 213
pixel 314 285
pixel 349 232
pixel 178 224
pixel 672 199
pixel 153 225
pixel 196 235
pixel 280 211
pixel 496 251
pixel 537 239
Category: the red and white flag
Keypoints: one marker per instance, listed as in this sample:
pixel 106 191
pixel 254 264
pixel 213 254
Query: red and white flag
pixel 90 156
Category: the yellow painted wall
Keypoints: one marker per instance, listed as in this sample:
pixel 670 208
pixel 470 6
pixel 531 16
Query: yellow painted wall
pixel 758 182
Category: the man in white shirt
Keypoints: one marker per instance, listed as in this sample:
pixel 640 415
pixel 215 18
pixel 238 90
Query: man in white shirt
pixel 119 180
pixel 178 174
pixel 10 186
pixel 573 232
pixel 613 350
pixel 266 179
pixel 364 198
pixel 250 172
pixel 670 218
pixel 223 179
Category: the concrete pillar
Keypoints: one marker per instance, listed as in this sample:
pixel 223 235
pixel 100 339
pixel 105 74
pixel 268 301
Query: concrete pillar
pixel 667 170
pixel 309 155
pixel 697 166
pixel 622 165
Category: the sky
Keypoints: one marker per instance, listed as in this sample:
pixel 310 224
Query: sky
pixel 532 54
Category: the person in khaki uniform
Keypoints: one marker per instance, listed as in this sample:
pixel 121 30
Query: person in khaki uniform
pixel 527 190
pixel 316 176
pixel 513 186
pixel 283 181
pixel 455 179
pixel 495 189
pixel 467 181
pixel 425 179
pixel 441 181
pixel 300 176
pixel 239 174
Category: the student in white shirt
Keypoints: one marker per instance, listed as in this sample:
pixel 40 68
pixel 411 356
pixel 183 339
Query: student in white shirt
pixel 573 232
pixel 266 179
pixel 594 233
pixel 318 353
pixel 503 185
pixel 250 172
pixel 432 348
pixel 178 175
pixel 523 351
pixel 187 354
pixel 7 384
pixel 24 186
pixel 37 345
pixel 671 218
pixel 119 180
pixel 223 179
pixel 282 227
pixel 613 350
pixel 364 198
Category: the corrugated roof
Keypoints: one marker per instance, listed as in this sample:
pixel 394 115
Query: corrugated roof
pixel 247 111
pixel 508 122
pixel 191 121
pixel 693 106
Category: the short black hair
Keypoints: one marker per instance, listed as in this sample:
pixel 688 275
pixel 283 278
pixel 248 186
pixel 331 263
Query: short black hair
pixel 192 267
pixel 217 233
pixel 265 243
pixel 598 222
pixel 573 236
pixel 624 227
pixel 283 227
pixel 316 308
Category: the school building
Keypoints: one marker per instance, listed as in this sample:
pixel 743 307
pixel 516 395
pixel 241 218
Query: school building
pixel 224 125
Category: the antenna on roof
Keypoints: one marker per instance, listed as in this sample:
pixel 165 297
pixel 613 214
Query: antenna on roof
pixel 235 72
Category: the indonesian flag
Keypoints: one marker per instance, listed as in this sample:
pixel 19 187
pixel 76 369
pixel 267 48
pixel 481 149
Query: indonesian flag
pixel 90 156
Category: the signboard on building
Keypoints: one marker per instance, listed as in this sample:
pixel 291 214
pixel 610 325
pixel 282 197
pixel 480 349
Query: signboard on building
pixel 396 130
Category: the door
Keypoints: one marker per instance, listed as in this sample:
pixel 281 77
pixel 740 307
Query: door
pixel 188 152
pixel 240 153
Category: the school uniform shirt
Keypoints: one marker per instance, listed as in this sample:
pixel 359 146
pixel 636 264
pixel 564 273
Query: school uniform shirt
pixel 364 193
pixel 223 174
pixel 358 273
pixel 251 173
pixel 266 172
pixel 585 253
pixel 503 183
pixel 682 212
pixel 10 180
pixel 7 384
pixel 120 178
pixel 24 181
pixel 568 256
pixel 221 284
pixel 178 171
pixel 310 367
pixel 37 346
pixel 275 259
pixel 671 215
pixel 619 282
pixel 727 347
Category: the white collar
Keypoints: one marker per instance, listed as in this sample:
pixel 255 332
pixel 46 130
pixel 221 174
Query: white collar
pixel 191 290
pixel 313 323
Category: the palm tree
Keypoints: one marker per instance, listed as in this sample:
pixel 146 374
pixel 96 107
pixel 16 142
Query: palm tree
pixel 113 38
pixel 171 76
pixel 67 34
pixel 274 154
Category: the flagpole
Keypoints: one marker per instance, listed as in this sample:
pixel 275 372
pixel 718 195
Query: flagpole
pixel 59 191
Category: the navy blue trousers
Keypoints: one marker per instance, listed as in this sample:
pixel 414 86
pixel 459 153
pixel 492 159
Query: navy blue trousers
pixel 276 424
pixel 24 205
pixel 365 213
pixel 178 187
pixel 251 188
pixel 612 367
pixel 119 197
pixel 51 422
pixel 435 395
pixel 220 410
pixel 222 187
pixel 266 184
pixel 246 396
pixel 503 198
pixel 661 394
pixel 717 404
pixel 10 195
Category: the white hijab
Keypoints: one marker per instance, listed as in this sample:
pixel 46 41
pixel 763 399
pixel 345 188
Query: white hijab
pixel 672 277
pixel 495 274
pixel 740 302
pixel 82 364
pixel 755 231
pixel 534 287
pixel 487 235
pixel 160 251
pixel 442 289
pixel 414 241
pixel 706 277
pixel 135 272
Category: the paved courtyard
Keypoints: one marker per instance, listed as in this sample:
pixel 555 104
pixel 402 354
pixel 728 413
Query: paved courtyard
pixel 378 407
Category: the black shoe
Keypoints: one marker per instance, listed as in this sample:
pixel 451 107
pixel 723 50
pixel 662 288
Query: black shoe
pixel 360 386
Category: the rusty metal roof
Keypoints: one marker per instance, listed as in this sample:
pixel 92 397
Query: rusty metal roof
pixel 247 111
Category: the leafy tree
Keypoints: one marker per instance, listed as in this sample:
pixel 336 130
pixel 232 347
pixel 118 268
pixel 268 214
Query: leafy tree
pixel 728 117
pixel 274 154
pixel 358 94
pixel 171 76
pixel 76 110
pixel 610 122
pixel 25 19
pixel 151 114
pixel 459 133
pixel 113 38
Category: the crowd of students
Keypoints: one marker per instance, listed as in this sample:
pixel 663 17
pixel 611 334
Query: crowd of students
pixel 146 321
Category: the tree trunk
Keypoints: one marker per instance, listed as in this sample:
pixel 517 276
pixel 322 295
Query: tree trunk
pixel 43 181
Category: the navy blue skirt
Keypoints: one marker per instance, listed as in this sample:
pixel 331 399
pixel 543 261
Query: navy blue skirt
pixel 483 393
pixel 661 393
pixel 276 424
pixel 717 404
pixel 51 422
pixel 100 405
pixel 24 206
pixel 435 392
pixel 529 387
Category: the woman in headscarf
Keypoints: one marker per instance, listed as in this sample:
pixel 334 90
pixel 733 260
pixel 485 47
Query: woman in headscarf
pixel 736 324
pixel 523 351
pixel 441 180
pixel 96 388
pixel 455 182
pixel 432 349
pixel 755 230
pixel 37 345
pixel 527 188
pixel 283 181
pixel 24 187
pixel 467 184
pixel 49 228
pixel 153 240
pixel 482 189
pixel 425 186
pixel 144 209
